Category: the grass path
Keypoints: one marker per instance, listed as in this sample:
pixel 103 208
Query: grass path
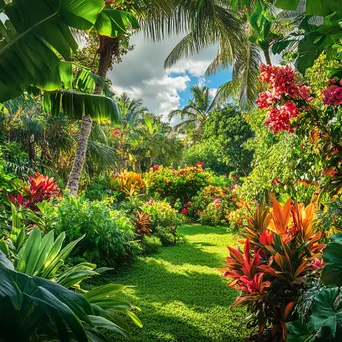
pixel 181 294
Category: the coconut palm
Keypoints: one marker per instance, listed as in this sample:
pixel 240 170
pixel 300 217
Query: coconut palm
pixel 194 115
pixel 242 50
pixel 131 110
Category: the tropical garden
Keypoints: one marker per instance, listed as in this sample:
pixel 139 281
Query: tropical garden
pixel 219 222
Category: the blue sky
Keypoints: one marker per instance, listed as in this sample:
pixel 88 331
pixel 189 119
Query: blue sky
pixel 213 82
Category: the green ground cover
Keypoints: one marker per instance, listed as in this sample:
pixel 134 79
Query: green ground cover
pixel 180 292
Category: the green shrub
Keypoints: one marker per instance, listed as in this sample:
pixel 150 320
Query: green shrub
pixel 164 220
pixel 150 245
pixel 182 184
pixel 108 233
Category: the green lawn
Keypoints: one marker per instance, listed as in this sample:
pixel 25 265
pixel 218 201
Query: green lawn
pixel 180 292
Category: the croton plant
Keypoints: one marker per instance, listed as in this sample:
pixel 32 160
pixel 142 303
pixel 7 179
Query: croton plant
pixel 281 250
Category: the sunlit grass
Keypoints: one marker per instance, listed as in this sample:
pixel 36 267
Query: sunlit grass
pixel 180 292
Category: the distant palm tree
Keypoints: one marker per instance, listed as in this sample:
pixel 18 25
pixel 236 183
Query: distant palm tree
pixel 131 110
pixel 195 114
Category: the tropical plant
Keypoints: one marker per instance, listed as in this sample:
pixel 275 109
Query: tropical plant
pixel 47 71
pixel 194 115
pixel 228 131
pixel 142 223
pixel 41 188
pixel 131 110
pixel 130 183
pixel 109 234
pixel 281 250
pixel 36 308
pixel 322 321
pixel 164 220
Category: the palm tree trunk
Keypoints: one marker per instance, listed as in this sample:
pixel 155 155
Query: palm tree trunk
pixel 80 156
pixel 267 56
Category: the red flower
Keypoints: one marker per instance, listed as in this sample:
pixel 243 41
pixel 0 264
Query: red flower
pixel 155 168
pixel 184 211
pixel 199 164
pixel 333 96
pixel 116 133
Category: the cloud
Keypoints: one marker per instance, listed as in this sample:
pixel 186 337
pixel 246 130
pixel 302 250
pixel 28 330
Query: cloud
pixel 142 73
pixel 213 92
pixel 193 67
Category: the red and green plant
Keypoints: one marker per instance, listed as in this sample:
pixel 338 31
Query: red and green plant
pixel 280 252
pixel 142 224
pixel 41 188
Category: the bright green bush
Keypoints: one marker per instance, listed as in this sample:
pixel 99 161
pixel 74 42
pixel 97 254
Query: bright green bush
pixel 108 233
pixel 182 184
pixel 164 220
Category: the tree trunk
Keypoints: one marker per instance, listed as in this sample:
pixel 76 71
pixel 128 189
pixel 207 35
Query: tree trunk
pixel 267 56
pixel 80 156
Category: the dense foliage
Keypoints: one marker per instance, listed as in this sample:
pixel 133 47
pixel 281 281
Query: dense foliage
pixel 89 177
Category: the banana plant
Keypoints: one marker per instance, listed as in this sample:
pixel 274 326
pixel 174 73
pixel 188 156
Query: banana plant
pixel 36 39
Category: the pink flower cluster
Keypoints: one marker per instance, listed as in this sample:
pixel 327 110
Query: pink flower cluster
pixel 333 95
pixel 283 86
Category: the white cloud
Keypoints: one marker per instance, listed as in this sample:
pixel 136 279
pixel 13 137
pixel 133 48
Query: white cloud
pixel 142 73
pixel 193 67
pixel 213 92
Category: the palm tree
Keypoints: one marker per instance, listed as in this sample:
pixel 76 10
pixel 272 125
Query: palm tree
pixel 242 37
pixel 195 114
pixel 131 110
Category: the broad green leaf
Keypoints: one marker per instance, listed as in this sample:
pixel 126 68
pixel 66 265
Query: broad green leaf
pixel 332 272
pixel 112 22
pixel 4 262
pixel 287 4
pixel 336 238
pixel 9 289
pixel 76 105
pixel 81 14
pixel 101 322
pixel 326 312
pixel 29 253
pixel 299 332
pixel 104 291
pixel 135 319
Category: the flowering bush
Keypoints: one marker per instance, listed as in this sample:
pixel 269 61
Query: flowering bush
pixel 130 183
pixel 285 97
pixel 281 251
pixel 182 184
pixel 213 204
pixel 164 220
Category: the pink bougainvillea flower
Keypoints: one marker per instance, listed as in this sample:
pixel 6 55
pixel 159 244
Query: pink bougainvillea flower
pixel 333 96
